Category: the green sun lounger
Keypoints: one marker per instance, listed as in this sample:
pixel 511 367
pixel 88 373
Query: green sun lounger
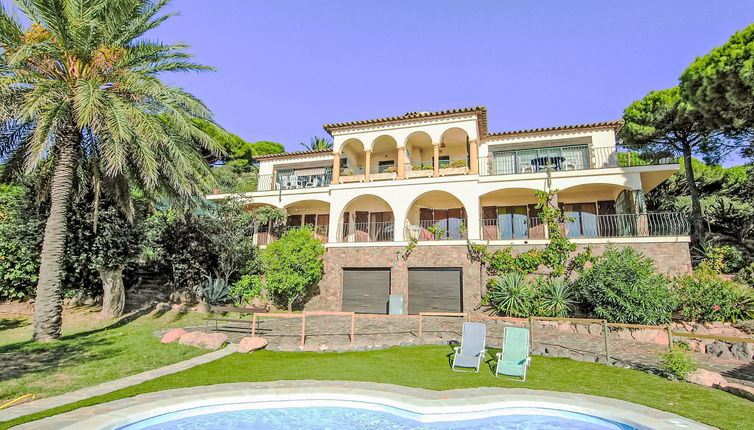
pixel 514 360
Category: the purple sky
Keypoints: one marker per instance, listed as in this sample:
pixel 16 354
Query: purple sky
pixel 287 67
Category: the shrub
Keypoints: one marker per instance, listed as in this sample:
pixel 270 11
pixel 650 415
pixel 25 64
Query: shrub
pixel 346 172
pixel 292 265
pixel 391 169
pixel 623 286
pixel 21 228
pixel 705 296
pixel 502 261
pixel 510 295
pixel 246 289
pixel 677 364
pixel 554 297
pixel 214 290
pixel 458 163
pixel 436 231
pixel 427 167
pixel 724 259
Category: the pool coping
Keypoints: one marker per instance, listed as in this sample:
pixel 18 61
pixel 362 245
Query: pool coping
pixel 118 413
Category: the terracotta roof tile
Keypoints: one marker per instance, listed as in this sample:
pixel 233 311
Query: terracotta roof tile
pixel 616 125
pixel 293 154
pixel 481 110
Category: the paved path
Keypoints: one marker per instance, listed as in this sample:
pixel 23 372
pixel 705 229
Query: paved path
pixel 107 387
pixel 332 333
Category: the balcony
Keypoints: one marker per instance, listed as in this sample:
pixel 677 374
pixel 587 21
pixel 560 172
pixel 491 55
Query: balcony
pixel 445 229
pixel 585 225
pixel 266 234
pixel 564 158
pixel 382 231
pixel 288 180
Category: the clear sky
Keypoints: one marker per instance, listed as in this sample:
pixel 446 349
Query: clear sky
pixel 287 67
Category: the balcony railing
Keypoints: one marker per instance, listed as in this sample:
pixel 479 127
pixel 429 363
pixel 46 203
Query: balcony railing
pixel 367 231
pixel 446 229
pixel 564 158
pixel 586 225
pixel 265 235
pixel 275 182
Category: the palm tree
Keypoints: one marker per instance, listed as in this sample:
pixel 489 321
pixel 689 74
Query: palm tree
pixel 81 99
pixel 317 143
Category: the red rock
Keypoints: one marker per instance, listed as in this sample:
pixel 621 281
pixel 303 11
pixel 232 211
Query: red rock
pixel 173 335
pixel 662 337
pixel 190 338
pixel 565 327
pixel 706 378
pixel 642 335
pixel 249 344
pixel 739 390
pixel 697 346
pixel 212 340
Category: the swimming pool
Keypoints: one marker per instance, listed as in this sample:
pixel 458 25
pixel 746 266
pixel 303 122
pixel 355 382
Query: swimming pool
pixel 355 415
pixel 302 405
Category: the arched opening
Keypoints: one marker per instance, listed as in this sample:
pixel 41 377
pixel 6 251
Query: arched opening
pixel 454 151
pixel 266 231
pixel 367 218
pixel 510 214
pixel 352 161
pixel 436 215
pixel 602 210
pixel 311 213
pixel 419 153
pixel 384 160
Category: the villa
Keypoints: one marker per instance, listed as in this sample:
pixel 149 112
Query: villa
pixel 440 179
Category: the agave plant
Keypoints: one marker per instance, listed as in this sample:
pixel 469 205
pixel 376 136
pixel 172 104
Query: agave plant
pixel 556 297
pixel 214 290
pixel 510 295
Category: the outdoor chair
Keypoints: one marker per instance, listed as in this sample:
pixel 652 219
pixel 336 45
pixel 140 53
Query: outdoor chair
pixel 472 350
pixel 514 359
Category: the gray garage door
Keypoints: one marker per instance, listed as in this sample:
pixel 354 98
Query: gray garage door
pixel 366 290
pixel 436 289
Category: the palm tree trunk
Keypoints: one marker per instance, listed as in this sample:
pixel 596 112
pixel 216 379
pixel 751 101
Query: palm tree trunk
pixel 697 220
pixel 114 298
pixel 48 306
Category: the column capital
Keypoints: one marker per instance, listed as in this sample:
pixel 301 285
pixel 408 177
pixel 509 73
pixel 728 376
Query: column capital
pixel 335 153
pixel 400 147
pixel 473 140
pixel 436 144
pixel 368 150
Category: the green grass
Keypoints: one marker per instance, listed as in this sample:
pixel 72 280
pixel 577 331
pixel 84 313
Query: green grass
pixel 428 367
pixel 91 351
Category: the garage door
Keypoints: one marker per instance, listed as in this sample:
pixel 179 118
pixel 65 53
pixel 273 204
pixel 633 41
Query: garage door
pixel 434 290
pixel 366 290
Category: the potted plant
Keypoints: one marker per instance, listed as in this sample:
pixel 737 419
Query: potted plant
pixel 456 167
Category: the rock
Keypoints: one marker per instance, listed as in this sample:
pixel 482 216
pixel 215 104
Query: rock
pixel 706 378
pixel 642 335
pixel 175 297
pixel 697 346
pixel 739 390
pixel 699 329
pixel 202 307
pixel 661 338
pixel 624 334
pixel 204 340
pixel 186 297
pixel 719 349
pixel 162 307
pixel 582 329
pixel 565 327
pixel 173 335
pixel 89 301
pixel 255 343
pixel 595 329
pixel 66 302
pixel 742 351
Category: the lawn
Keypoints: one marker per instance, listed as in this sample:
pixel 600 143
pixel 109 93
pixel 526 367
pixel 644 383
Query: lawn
pixel 91 351
pixel 428 367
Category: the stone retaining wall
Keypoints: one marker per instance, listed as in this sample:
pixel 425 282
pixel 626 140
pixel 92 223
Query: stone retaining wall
pixel 670 257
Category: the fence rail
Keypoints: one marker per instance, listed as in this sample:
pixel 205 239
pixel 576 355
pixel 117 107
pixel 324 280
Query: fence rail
pixel 565 158
pixel 446 229
pixel 266 235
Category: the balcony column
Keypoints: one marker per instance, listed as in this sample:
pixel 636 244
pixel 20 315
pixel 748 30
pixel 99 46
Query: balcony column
pixel 335 168
pixel 436 159
pixel 401 162
pixel 367 164
pixel 473 157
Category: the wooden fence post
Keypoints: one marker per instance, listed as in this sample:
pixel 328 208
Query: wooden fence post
pixel 303 329
pixel 605 331
pixel 353 326
pixel 670 338
pixel 253 324
pixel 420 324
pixel 531 333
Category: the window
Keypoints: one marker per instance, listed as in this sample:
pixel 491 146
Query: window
pixel 583 222
pixel 384 165
pixel 513 222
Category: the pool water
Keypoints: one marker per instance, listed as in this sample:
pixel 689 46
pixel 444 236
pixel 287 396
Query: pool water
pixel 304 418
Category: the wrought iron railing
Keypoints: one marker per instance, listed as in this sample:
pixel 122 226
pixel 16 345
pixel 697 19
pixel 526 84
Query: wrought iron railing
pixel 383 231
pixel 446 229
pixel 586 225
pixel 275 182
pixel 565 158
pixel 266 235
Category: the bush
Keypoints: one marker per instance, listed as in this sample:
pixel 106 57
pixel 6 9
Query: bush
pixel 502 261
pixel 391 169
pixel 21 230
pixel 677 364
pixel 292 266
pixel 246 289
pixel 458 163
pixel 623 286
pixel 705 296
pixel 510 295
